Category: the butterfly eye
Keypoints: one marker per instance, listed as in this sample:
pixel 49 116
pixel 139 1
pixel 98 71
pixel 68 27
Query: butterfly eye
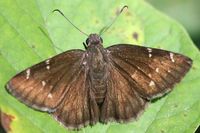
pixel 87 41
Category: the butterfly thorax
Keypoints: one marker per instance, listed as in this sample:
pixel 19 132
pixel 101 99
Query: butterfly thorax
pixel 97 70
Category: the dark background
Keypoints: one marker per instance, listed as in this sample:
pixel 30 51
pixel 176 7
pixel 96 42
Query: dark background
pixel 186 12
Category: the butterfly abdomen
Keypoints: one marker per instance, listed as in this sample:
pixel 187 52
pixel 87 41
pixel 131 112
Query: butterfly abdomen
pixel 98 79
pixel 97 71
pixel 99 88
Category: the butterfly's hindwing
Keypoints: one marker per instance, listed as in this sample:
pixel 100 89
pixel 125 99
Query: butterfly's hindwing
pixel 122 102
pixel 152 72
pixel 79 107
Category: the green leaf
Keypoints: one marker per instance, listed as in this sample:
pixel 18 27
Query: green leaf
pixel 30 33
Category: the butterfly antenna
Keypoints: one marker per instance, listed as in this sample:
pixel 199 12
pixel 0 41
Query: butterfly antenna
pixel 57 10
pixel 107 27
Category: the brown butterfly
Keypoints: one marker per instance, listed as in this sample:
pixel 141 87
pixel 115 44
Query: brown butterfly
pixel 81 88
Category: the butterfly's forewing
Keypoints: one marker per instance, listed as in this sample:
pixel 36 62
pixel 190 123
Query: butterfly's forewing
pixel 151 72
pixel 79 107
pixel 122 103
pixel 60 86
pixel 43 86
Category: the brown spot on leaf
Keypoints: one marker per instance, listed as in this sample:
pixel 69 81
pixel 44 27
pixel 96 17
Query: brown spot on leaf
pixel 185 115
pixel 6 120
pixel 135 36
pixel 162 131
pixel 175 105
pixel 96 21
pixel 33 46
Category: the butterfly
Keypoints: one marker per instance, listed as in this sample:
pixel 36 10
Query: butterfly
pixel 81 88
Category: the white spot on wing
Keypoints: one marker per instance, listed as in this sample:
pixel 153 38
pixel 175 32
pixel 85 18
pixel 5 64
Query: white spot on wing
pixel 108 51
pixel 157 70
pixel 48 67
pixel 43 83
pixel 84 62
pixel 151 83
pixel 168 71
pixel 149 50
pixel 28 72
pixel 49 95
pixel 47 61
pixel 133 75
pixel 149 75
pixel 171 55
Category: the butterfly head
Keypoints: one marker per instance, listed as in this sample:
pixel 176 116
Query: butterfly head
pixel 93 39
